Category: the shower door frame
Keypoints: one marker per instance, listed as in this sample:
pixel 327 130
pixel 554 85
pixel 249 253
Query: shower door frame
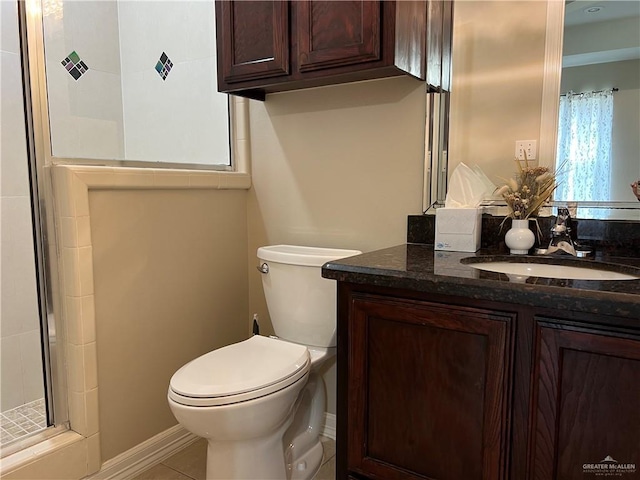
pixel 45 247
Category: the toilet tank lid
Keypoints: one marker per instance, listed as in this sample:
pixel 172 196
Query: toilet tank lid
pixel 306 256
pixel 241 367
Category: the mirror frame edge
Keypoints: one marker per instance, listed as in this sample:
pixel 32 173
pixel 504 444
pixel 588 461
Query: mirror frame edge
pixel 551 83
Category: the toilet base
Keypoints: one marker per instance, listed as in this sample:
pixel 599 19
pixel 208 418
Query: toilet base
pixel 307 465
pixel 226 460
pixel 248 460
pixel 303 449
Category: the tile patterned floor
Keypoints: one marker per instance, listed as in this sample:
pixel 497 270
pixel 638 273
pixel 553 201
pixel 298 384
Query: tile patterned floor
pixel 23 420
pixel 190 464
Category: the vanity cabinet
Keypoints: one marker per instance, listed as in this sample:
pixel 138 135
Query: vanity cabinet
pixel 427 390
pixel 443 387
pixel 586 401
pixel 274 46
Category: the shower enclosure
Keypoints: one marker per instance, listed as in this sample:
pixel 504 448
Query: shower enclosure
pixel 74 73
pixel 24 351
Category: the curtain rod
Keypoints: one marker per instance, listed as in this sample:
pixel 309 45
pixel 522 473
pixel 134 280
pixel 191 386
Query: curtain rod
pixel 614 89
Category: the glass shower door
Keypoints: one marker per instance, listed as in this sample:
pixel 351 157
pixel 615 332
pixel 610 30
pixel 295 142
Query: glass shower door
pixel 23 409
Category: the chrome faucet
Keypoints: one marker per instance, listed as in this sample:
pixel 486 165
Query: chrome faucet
pixel 561 234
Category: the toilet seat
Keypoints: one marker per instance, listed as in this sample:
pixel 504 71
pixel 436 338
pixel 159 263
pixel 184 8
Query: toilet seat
pixel 239 372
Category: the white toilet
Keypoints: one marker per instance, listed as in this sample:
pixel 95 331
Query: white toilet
pixel 260 402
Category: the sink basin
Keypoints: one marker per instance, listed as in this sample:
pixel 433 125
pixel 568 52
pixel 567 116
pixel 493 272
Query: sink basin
pixel 527 269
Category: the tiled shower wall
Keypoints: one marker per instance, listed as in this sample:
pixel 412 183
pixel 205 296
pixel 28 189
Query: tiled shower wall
pixel 20 350
pixel 85 112
pixel 135 80
pixel 178 118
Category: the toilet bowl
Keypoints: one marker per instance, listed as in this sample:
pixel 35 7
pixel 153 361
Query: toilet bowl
pixel 260 403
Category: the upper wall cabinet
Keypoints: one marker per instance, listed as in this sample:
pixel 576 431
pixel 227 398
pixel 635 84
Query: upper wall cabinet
pixel 274 46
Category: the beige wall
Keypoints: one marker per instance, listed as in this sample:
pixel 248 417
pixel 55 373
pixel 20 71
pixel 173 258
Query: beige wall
pixel 170 284
pixel 496 95
pixel 335 167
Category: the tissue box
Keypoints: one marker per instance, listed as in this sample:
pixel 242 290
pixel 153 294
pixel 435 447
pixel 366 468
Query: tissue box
pixel 458 229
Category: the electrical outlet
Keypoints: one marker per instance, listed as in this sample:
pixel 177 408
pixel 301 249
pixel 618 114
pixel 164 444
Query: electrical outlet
pixel 528 148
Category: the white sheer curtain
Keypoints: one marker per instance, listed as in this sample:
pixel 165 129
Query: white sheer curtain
pixel 584 146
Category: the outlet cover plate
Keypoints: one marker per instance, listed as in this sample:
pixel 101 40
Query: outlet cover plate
pixel 528 148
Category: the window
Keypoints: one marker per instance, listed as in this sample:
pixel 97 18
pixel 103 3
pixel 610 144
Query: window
pixel 584 146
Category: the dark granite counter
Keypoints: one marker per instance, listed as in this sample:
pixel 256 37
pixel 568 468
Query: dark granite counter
pixel 420 268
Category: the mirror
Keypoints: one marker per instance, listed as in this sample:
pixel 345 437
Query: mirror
pixel 503 91
pixel 600 102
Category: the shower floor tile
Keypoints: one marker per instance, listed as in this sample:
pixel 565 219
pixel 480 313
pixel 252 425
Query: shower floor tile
pixel 22 420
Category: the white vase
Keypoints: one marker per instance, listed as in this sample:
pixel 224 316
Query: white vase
pixel 519 238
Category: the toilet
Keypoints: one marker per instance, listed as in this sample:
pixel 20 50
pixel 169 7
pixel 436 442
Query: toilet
pixel 260 403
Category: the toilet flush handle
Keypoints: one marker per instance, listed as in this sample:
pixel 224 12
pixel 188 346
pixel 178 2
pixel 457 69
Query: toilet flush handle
pixel 264 268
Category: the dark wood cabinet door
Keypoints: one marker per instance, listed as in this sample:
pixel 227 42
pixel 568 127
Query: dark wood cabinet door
pixel 253 39
pixel 280 45
pixel 427 390
pixel 586 404
pixel 334 34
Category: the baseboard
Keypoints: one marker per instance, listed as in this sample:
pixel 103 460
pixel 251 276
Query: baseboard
pixel 329 426
pixel 145 455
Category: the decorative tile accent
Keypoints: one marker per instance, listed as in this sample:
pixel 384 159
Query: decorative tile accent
pixel 164 65
pixel 74 65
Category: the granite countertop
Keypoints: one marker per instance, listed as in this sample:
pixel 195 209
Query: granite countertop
pixel 418 267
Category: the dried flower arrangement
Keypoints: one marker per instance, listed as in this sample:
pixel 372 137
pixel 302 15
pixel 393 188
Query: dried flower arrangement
pixel 528 191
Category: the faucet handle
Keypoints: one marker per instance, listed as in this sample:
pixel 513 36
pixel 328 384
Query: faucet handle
pixel 559 228
pixel 561 234
pixel 563 215
pixel 563 222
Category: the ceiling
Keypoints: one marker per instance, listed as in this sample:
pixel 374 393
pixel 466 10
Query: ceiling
pixel 588 31
pixel 577 11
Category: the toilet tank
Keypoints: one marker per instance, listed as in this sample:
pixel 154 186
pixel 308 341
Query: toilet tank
pixel 302 304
